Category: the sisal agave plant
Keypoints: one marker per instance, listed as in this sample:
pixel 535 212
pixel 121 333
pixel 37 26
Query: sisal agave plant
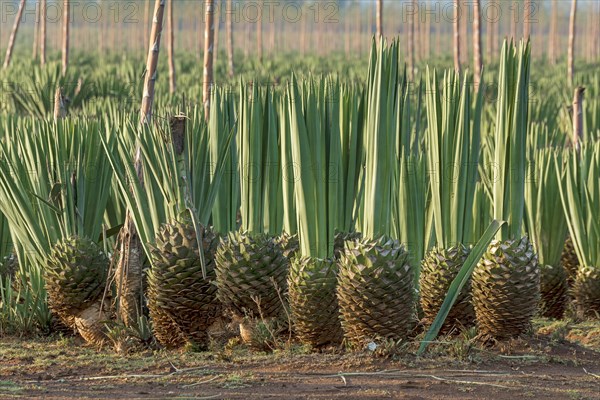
pixel 376 280
pixel 453 144
pixel 580 195
pixel 506 280
pixel 171 213
pixel 546 228
pixel 251 270
pixel 319 199
pixel 55 209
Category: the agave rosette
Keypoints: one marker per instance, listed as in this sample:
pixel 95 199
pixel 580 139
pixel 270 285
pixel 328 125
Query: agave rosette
pixel 55 185
pixel 453 144
pixel 506 280
pixel 580 195
pixel 366 310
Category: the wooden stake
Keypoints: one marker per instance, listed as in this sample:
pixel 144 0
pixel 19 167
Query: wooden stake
pixel 571 55
pixel 43 17
pixel 411 41
pixel 477 55
pixel 229 11
pixel 259 41
pixel 36 30
pixel 379 18
pixel 146 22
pixel 13 34
pixel 527 14
pixel 65 37
pixel 457 36
pixel 209 38
pixel 171 47
pixel 152 61
pixel 464 34
pixel 490 38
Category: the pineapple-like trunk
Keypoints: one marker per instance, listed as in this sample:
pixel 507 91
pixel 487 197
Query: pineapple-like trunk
pixel 506 288
pixel 586 292
pixel 75 276
pixel 438 270
pixel 251 275
pixel 375 291
pixel 569 261
pixel 313 301
pixel 553 288
pixel 182 302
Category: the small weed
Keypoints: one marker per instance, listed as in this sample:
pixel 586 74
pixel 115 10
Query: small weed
pixel 461 346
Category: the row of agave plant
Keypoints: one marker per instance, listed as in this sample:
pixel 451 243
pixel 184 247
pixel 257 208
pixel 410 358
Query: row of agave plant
pixel 322 201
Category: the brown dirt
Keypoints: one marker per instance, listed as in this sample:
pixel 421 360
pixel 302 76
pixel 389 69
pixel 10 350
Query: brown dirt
pixel 543 366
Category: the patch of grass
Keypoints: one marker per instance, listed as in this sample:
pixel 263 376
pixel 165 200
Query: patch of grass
pixel 575 395
pixel 10 387
pixel 237 381
pixel 556 330
pixel 584 333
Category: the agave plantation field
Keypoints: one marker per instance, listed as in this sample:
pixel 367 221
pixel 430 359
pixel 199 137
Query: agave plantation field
pixel 358 224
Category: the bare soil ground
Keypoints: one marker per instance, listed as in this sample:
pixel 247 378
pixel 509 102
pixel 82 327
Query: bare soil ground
pixel 558 361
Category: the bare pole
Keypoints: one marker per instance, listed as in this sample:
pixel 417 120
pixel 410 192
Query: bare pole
pixel 347 33
pixel 456 25
pixel 209 38
pixel 42 39
pixel 128 273
pixel 259 29
pixel 358 29
pixel 427 35
pixel 272 33
pixel 379 18
pixel 171 47
pixel 13 34
pixel 152 61
pixel 416 32
pixel 229 13
pixel 552 47
pixel 589 48
pixel 36 31
pixel 464 33
pixel 496 36
pixel 438 37
pixel 477 54
pixel 596 43
pixel 411 40
pixel 490 38
pixel 592 40
pixel 65 37
pixel 513 21
pixel 146 17
pixel 526 19
pixel 217 19
pixel 570 66
pixel 303 33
